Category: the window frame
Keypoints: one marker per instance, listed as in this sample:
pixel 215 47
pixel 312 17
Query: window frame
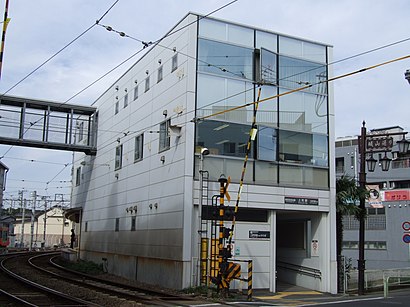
pixel 78 176
pixel 136 92
pixel 164 136
pixel 138 147
pixel 125 100
pixel 147 84
pixel 160 74
pixel 133 223
pixel 118 157
pixel 174 62
pixel 117 225
pixel 117 107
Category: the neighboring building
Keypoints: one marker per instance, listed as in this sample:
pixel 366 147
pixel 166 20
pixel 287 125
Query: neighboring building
pixel 56 231
pixel 138 198
pixel 387 235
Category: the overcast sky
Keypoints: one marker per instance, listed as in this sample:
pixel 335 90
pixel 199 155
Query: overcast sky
pixel 38 29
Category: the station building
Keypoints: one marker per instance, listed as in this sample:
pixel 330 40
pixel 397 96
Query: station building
pixel 181 117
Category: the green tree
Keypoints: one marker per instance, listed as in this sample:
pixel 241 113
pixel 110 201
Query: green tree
pixel 348 195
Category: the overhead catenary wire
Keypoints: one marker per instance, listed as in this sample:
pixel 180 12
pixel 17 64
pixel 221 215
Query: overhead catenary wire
pixel 107 73
pixel 377 49
pixel 53 56
pixel 305 87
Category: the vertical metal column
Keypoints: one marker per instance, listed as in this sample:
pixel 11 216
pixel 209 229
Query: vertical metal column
pixel 222 258
pixel 361 262
pixel 250 291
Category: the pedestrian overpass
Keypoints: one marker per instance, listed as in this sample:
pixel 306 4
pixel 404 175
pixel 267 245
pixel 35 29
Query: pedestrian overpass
pixel 47 124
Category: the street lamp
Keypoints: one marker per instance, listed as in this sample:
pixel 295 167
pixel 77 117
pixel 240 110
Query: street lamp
pixel 407 75
pixel 369 144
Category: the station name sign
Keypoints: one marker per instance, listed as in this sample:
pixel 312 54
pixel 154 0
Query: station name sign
pixel 301 200
pixel 379 143
pixel 259 234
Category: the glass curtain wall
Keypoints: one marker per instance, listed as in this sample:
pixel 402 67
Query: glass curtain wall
pixel 291 147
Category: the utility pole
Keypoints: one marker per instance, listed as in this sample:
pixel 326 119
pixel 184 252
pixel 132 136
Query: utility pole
pixel 33 213
pixel 45 221
pixel 23 207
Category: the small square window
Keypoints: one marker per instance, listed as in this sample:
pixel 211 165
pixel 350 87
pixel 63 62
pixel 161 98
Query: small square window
pixel 139 142
pixel 174 62
pixel 159 74
pixel 147 84
pixel 125 100
pixel 117 107
pixel 136 92
pixel 118 157
pixel 117 224
pixel 164 136
pixel 133 223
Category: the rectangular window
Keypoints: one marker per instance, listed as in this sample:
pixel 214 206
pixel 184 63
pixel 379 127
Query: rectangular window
pixel 118 157
pixel 379 245
pixel 133 223
pixel 295 73
pixel 78 176
pixel 225 59
pixel 174 62
pixel 117 107
pixel 136 92
pixel 117 224
pixel 303 148
pixel 164 136
pixel 268 67
pixel 125 100
pixel 147 84
pixel 340 165
pixel 223 138
pixel 159 74
pixel 267 144
pixel 139 142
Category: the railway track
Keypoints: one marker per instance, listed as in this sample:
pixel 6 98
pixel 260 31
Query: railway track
pixel 17 291
pixel 43 269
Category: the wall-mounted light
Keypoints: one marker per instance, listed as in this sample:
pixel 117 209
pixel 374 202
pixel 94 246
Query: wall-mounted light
pixel 150 206
pixel 116 97
pixel 135 81
pixel 174 49
pixel 162 159
pixel 165 113
pixel 156 205
pixel 117 87
pixel 147 72
pixel 116 176
pixel 125 90
pixel 159 61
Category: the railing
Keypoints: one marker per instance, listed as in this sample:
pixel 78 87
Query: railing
pixel 381 279
pixel 312 272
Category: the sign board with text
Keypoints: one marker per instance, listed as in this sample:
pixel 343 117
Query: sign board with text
pixel 259 234
pixel 301 200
